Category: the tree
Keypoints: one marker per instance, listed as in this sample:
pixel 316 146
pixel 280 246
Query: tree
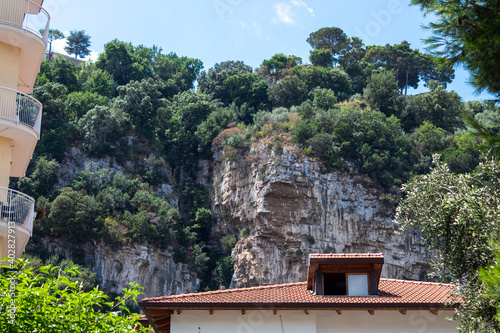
pixel 178 73
pixel 466 33
pixel 457 215
pixel 78 43
pixel 212 82
pixel 440 107
pixel 52 300
pixel 288 92
pixel 118 61
pixel 333 39
pixel 383 90
pixel 102 130
pixel 409 65
pixel 54 34
pixel 100 82
pixel 73 217
pixel 278 63
pixel 321 58
pixel 249 88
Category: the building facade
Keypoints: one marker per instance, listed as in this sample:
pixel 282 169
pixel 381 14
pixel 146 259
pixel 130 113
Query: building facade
pixel 343 293
pixel 24 29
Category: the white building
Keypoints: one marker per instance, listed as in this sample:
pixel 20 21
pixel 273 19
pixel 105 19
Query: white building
pixel 343 293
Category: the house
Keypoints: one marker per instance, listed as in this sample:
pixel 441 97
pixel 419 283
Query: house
pixel 24 28
pixel 343 293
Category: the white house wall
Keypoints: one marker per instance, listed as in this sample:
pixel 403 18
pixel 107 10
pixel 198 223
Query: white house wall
pixel 264 321
pixel 233 321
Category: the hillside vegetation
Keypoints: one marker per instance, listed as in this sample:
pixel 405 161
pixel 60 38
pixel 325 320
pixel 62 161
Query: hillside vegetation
pixel 138 107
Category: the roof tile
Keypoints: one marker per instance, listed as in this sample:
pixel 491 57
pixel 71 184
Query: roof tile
pixel 392 293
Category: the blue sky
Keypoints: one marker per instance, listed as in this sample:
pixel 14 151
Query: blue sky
pixel 246 30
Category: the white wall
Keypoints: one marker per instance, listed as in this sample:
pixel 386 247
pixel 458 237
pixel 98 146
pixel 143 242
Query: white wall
pixel 384 321
pixel 264 321
pixel 232 321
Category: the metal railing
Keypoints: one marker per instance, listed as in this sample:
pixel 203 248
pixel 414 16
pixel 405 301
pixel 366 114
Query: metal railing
pixel 20 108
pixel 26 15
pixel 17 207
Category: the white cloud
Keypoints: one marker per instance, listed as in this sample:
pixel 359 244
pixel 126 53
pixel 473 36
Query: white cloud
pixel 303 4
pixel 286 11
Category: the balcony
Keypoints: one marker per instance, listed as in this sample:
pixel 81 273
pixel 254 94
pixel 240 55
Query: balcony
pixel 16 213
pixel 20 121
pixel 25 25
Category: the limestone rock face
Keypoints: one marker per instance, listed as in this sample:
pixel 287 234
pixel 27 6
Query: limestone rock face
pixel 291 208
pixel 150 267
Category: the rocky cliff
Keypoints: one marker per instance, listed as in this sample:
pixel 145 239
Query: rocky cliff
pixel 150 267
pixel 287 207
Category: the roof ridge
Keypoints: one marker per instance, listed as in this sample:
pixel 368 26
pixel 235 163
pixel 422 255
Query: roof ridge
pixel 417 282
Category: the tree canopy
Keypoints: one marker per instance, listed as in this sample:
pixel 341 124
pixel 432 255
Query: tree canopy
pixel 78 43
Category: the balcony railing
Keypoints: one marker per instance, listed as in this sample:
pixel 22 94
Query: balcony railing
pixel 17 207
pixel 26 15
pixel 20 108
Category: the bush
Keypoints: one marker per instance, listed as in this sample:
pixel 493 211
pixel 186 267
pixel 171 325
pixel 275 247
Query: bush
pixel 49 301
pixel 228 242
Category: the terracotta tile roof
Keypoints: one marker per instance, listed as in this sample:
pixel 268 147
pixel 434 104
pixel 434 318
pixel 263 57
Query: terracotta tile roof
pixel 346 255
pixel 393 294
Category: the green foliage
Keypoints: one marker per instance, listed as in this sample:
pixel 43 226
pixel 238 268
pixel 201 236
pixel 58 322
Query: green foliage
pixel 78 103
pixel 311 240
pixel 323 98
pixel 42 181
pixel 100 82
pixel 53 137
pixel 334 79
pixel 185 113
pixel 277 65
pixel 440 107
pixel 102 130
pixel 212 82
pixel 64 72
pixel 244 233
pixel 409 65
pixel 321 58
pixel 490 276
pixel 210 127
pixel 463 154
pixel 78 43
pixel 177 73
pixel 225 271
pixel 382 88
pixel 426 140
pixel 289 91
pixel 228 242
pixel 457 214
pixel 48 301
pixel 141 101
pixel 466 33
pixel 73 216
pixel 332 39
pixel 53 35
pixel 250 89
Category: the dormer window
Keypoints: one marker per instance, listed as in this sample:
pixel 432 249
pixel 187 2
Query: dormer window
pixel 357 284
pixel 344 274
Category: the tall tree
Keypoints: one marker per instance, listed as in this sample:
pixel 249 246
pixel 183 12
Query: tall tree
pixel 457 215
pixel 54 34
pixel 333 39
pixel 409 65
pixel 467 33
pixel 78 43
